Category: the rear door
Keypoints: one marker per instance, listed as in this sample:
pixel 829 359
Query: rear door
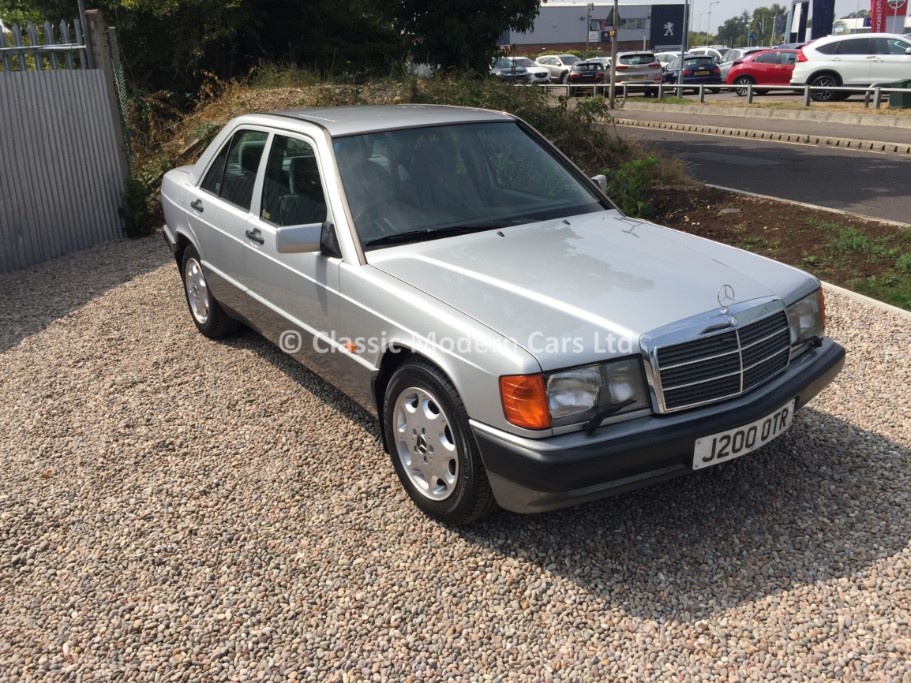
pixel 853 58
pixel 219 208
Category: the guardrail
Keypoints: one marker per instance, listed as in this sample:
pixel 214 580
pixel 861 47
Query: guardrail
pixel 873 94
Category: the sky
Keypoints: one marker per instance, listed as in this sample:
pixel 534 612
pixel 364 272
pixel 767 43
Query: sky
pixel 725 9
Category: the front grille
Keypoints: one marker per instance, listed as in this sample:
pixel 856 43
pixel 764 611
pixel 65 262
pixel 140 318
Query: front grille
pixel 723 365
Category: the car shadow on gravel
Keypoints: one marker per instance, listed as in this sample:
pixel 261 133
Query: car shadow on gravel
pixel 826 500
pixel 247 339
pixel 35 297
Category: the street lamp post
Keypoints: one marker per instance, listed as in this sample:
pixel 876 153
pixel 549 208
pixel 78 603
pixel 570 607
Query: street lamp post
pixel 708 28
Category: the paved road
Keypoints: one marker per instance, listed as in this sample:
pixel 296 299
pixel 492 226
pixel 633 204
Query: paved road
pixel 872 184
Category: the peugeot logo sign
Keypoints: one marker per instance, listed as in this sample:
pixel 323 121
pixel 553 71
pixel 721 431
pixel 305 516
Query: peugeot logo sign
pixel 725 297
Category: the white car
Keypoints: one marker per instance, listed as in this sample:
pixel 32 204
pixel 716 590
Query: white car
pixel 559 66
pixel 856 60
pixel 536 74
pixel 665 58
pixel 707 52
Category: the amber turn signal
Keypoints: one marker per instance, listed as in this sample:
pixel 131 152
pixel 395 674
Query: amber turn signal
pixel 524 400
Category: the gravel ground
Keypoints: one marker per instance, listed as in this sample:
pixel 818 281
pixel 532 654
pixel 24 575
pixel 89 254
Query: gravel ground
pixel 173 508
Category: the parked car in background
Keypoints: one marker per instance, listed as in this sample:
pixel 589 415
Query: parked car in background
pixel 861 60
pixel 707 52
pixel 769 67
pixel 586 73
pixel 697 70
pixel 735 54
pixel 508 72
pixel 558 66
pixel 536 74
pixel 520 340
pixel 665 58
pixel 639 68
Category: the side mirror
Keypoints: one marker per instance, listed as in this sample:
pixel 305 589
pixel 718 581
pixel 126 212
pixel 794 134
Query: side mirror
pixel 298 239
pixel 601 181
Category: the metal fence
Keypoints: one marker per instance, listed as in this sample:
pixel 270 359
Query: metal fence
pixel 46 47
pixel 62 166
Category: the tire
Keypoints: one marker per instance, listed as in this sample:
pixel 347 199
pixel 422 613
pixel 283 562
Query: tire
pixel 715 91
pixel 743 81
pixel 564 78
pixel 431 445
pixel 826 80
pixel 207 314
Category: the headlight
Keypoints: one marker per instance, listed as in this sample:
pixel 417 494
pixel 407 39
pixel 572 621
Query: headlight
pixel 574 396
pixel 807 318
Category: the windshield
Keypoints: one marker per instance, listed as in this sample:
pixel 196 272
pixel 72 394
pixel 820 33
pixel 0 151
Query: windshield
pixel 424 183
pixel 523 61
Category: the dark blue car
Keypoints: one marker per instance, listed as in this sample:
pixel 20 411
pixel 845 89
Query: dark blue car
pixel 697 70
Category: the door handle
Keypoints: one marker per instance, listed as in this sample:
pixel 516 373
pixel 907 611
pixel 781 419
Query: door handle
pixel 196 205
pixel 255 236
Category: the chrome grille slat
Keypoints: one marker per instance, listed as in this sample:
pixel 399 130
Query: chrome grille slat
pixel 724 364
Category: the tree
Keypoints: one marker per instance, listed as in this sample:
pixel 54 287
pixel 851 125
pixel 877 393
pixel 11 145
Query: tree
pixel 735 30
pixel 173 44
pixel 459 34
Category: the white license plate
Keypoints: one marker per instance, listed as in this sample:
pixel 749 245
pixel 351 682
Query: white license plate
pixel 724 446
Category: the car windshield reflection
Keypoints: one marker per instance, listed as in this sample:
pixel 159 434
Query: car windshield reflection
pixel 419 183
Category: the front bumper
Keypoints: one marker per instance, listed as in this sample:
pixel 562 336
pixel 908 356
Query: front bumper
pixel 534 475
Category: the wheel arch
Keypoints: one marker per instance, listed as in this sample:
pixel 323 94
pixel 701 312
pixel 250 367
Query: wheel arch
pixel 393 358
pixel 825 72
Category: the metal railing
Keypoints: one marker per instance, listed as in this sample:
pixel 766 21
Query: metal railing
pixel 873 94
pixel 44 48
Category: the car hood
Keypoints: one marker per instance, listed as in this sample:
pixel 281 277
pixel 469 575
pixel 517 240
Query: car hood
pixel 590 285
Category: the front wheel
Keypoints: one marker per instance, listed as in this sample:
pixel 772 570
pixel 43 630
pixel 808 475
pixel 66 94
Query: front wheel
pixel 431 445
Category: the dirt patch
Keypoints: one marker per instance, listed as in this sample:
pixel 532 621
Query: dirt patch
pixel 865 255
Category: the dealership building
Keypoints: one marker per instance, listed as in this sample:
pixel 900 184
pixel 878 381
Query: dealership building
pixel 574 26
pixel 646 24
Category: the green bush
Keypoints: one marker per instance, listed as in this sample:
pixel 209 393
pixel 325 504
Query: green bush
pixel 628 185
pixel 137 218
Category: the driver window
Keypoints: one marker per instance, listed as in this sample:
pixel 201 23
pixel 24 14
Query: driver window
pixel 292 190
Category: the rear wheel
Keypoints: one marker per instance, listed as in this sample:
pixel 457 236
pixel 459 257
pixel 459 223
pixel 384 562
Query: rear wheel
pixel 564 78
pixel 432 448
pixel 826 81
pixel 743 82
pixel 208 315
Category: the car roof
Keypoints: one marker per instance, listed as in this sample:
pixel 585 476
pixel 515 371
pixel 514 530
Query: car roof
pixel 341 121
pixel 853 36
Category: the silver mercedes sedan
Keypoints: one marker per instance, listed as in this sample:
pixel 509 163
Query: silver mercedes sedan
pixel 521 341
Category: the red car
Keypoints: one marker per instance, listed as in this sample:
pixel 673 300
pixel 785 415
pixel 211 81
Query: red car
pixel 769 67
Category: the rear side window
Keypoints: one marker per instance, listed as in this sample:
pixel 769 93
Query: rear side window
pixel 767 58
pixel 857 46
pixel 233 173
pixel 788 57
pixel 828 49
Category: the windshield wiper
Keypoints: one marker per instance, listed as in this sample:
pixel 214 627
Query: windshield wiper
pixel 427 234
